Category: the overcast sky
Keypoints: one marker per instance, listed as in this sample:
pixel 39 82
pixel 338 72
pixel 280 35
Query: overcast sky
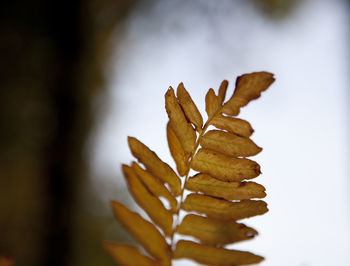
pixel 301 121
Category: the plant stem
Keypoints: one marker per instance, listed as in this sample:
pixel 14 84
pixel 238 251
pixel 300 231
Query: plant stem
pixel 205 127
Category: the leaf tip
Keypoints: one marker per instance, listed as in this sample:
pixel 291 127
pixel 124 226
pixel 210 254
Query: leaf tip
pixel 211 91
pixel 169 92
pixel 131 140
pixel 180 89
pixel 257 169
pixel 107 245
pixel 181 85
pixel 125 168
pixel 114 204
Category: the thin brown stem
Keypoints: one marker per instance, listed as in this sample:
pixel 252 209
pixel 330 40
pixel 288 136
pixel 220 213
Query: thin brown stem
pixel 205 127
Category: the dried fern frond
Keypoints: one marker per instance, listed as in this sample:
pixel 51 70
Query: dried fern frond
pixel 220 194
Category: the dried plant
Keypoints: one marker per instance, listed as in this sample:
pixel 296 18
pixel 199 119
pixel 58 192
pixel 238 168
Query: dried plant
pixel 219 197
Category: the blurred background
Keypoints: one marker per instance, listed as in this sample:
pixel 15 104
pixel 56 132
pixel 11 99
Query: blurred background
pixel 78 77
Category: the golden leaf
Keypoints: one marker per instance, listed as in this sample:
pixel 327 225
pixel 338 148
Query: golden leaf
pixel 145 232
pixel 223 209
pixel 152 205
pixel 154 185
pixel 127 255
pixel 233 125
pixel 182 128
pixel 222 91
pixel 214 232
pixel 212 103
pixel 224 167
pixel 214 256
pixel 154 165
pixel 227 190
pixel 190 109
pixel 222 196
pixel 229 144
pixel 248 87
pixel 177 152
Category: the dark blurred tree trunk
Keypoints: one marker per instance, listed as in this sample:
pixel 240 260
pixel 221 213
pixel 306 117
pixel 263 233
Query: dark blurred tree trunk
pixel 52 54
pixel 70 104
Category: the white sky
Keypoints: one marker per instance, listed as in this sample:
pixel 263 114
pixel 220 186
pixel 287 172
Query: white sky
pixel 301 121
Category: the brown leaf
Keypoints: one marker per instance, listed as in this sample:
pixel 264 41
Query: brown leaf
pixel 229 144
pixel 182 128
pixel 214 232
pixel 223 209
pixel 152 205
pixel 145 232
pixel 210 255
pixel 212 103
pixel 227 190
pixel 127 255
pixel 154 165
pixel 233 125
pixel 224 167
pixel 222 91
pixel 177 152
pixel 248 87
pixel 154 185
pixel 190 109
